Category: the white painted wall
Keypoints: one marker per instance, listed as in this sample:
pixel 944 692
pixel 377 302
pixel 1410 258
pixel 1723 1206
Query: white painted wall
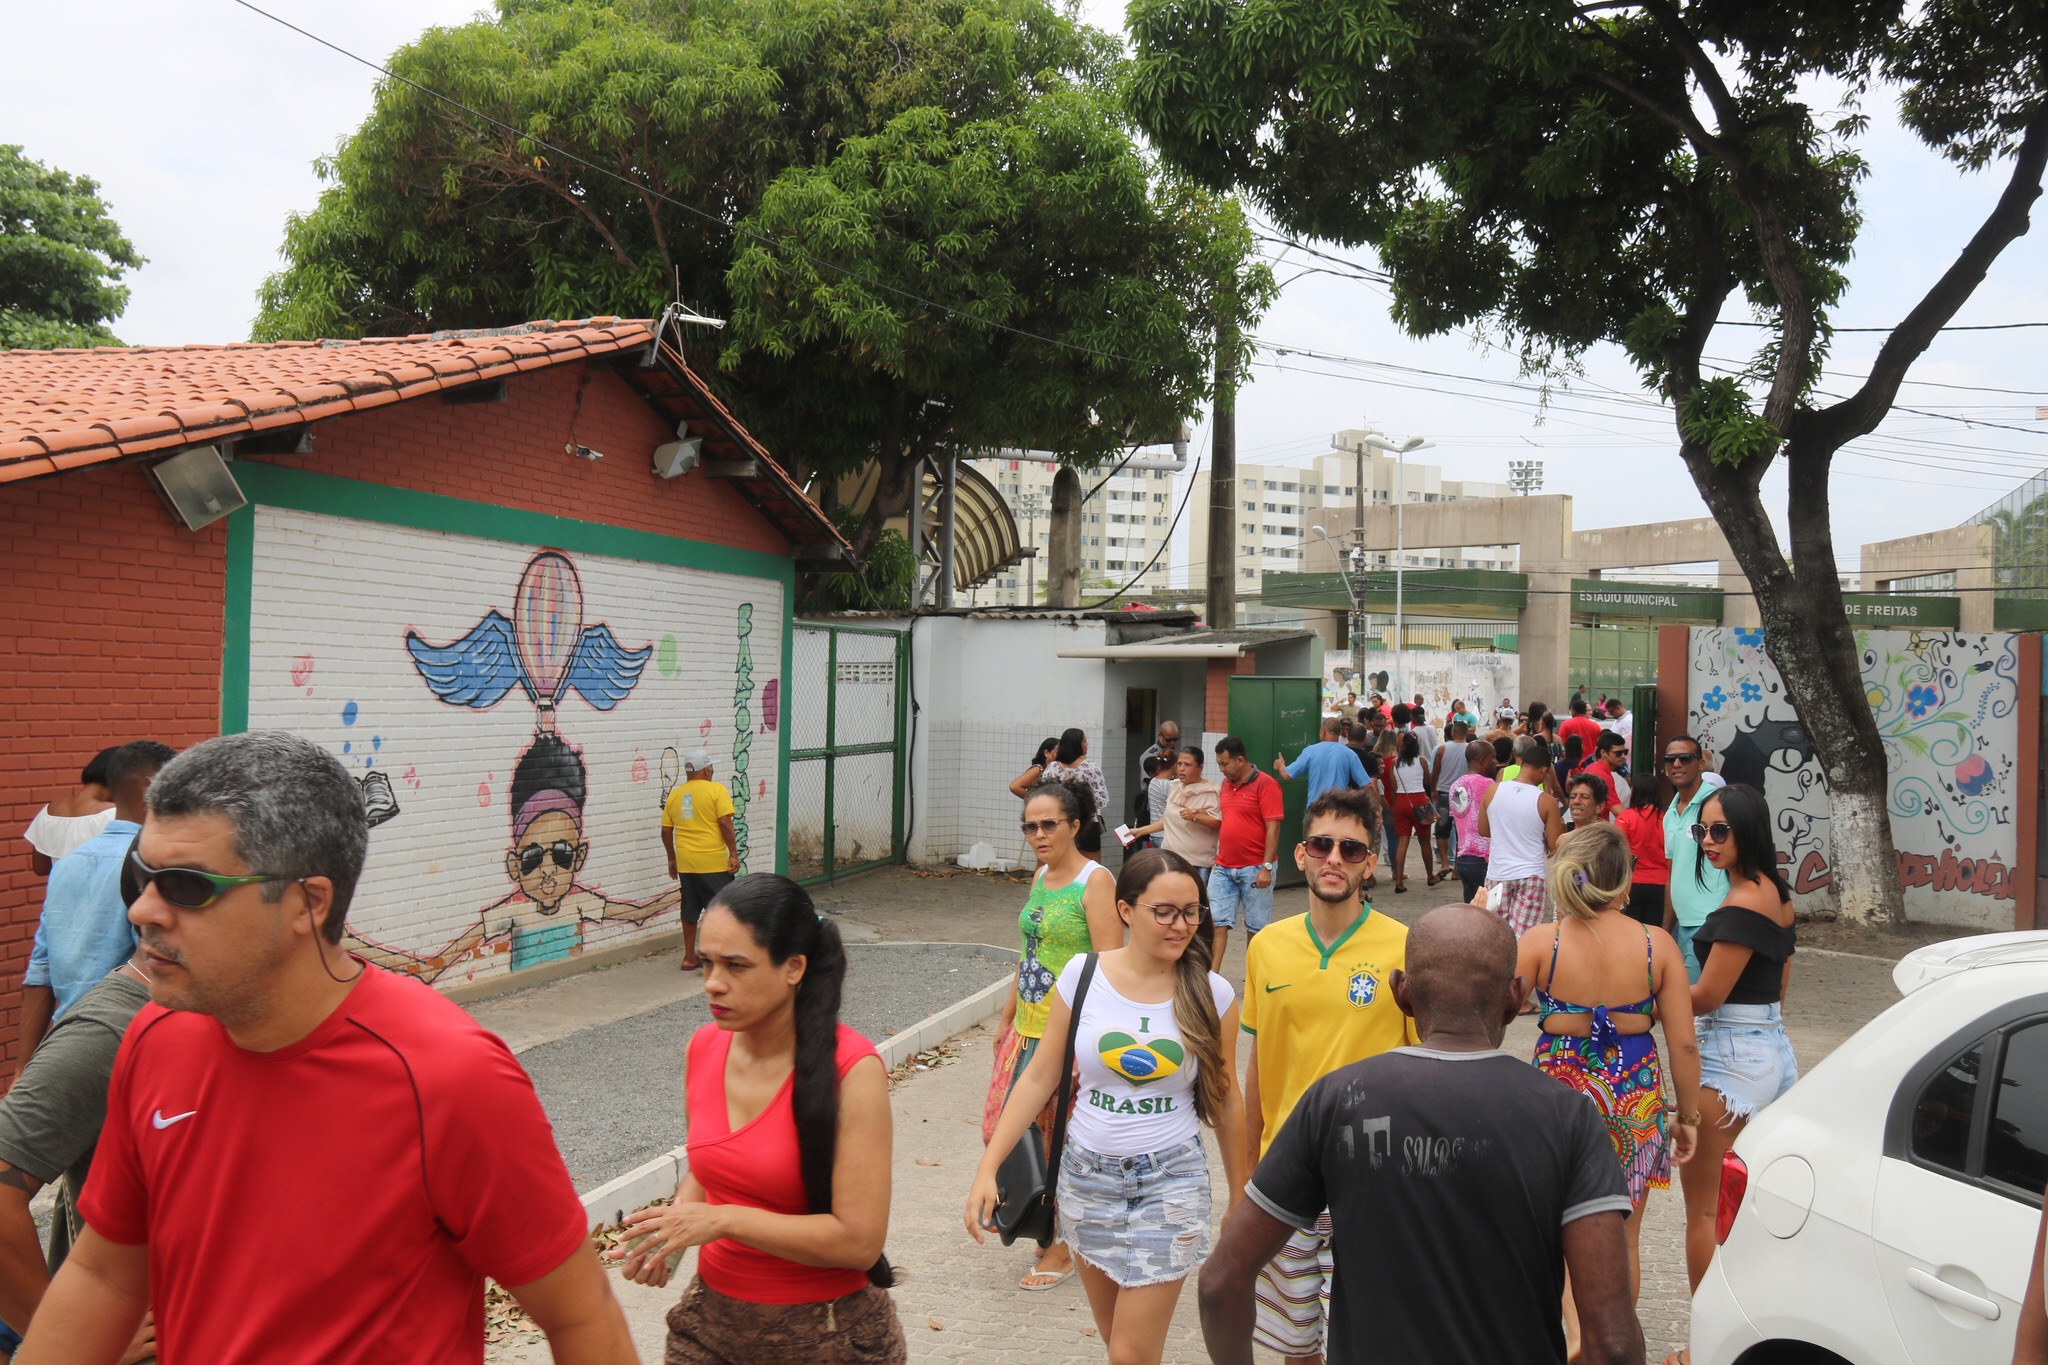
pixel 986 692
pixel 333 599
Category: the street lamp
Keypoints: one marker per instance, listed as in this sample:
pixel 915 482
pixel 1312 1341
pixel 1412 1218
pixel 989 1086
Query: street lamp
pixel 1400 453
pixel 1030 505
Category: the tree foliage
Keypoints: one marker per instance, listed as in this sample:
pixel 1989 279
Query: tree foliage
pixel 61 258
pixel 893 201
pixel 1565 174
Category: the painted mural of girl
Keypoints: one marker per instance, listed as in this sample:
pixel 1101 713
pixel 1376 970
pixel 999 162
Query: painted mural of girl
pixel 542 918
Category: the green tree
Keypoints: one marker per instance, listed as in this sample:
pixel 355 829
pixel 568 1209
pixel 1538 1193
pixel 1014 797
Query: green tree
pixel 892 201
pixel 61 258
pixel 1567 174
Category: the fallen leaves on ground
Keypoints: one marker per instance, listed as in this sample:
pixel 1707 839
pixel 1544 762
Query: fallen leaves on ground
pixel 945 1054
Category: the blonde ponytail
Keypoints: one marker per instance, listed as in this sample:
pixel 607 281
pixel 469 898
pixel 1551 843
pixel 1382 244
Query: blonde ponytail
pixel 1590 871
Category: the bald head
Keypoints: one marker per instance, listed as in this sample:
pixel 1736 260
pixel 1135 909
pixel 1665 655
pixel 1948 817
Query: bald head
pixel 1460 977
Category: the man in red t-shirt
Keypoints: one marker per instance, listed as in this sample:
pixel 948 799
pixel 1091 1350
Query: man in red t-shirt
pixel 1247 846
pixel 305 1157
pixel 1582 725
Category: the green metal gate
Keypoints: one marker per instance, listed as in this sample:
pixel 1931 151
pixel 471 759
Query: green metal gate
pixel 846 758
pixel 1274 716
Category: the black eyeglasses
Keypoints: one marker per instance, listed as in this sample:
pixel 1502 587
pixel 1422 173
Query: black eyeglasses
pixel 561 850
pixel 1716 833
pixel 1031 827
pixel 1322 845
pixel 1166 916
pixel 188 888
pixel 1681 758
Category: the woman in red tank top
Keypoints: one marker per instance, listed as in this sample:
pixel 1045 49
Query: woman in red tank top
pixel 784 1106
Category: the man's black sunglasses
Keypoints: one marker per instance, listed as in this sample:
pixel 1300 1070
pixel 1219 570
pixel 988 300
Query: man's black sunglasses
pixel 1321 846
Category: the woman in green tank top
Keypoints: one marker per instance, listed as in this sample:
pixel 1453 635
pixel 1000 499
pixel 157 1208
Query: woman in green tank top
pixel 1071 909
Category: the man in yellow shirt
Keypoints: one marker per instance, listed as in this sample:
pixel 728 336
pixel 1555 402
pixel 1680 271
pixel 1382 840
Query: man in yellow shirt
pixel 703 851
pixel 1316 998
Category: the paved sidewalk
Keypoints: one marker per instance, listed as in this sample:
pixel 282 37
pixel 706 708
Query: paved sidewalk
pixel 959 1301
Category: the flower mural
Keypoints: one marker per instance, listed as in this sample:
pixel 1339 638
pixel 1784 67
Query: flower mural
pixel 1921 700
pixel 1715 698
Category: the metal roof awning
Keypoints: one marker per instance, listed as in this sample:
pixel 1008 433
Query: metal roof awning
pixel 1198 649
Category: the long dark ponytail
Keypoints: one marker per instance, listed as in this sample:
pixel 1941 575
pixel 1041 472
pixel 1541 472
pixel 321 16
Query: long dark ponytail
pixel 785 924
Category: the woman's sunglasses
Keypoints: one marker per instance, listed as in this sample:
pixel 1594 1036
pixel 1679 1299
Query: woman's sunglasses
pixel 1716 833
pixel 186 887
pixel 561 850
pixel 1322 845
pixel 1046 827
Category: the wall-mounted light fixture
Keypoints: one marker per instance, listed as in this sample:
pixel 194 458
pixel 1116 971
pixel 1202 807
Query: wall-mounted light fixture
pixel 197 486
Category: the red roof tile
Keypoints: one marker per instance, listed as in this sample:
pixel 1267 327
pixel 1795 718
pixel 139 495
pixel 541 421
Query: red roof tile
pixel 65 410
pixel 127 401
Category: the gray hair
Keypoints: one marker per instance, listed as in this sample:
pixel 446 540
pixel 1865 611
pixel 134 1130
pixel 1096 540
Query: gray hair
pixel 295 809
pixel 1532 751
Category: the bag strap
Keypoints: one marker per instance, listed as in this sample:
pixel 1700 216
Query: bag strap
pixel 1059 1114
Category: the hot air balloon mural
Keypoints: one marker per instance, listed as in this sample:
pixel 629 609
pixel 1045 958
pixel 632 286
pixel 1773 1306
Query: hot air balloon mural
pixel 544 649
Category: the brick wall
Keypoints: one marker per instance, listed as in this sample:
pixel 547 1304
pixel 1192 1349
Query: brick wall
pixel 114 619
pixel 114 611
pixel 511 454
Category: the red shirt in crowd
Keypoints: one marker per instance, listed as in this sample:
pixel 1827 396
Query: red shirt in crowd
pixel 756 1165
pixel 338 1200
pixel 1246 809
pixel 1587 729
pixel 1645 830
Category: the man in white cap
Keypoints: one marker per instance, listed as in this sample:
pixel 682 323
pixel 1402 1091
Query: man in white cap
pixel 703 851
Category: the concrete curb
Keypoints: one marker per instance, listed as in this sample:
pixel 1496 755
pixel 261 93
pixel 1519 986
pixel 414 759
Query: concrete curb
pixel 610 1202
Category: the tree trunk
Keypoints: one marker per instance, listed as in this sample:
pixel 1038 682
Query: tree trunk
pixel 1807 635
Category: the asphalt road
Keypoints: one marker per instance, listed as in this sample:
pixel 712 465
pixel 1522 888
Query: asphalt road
pixel 614 1091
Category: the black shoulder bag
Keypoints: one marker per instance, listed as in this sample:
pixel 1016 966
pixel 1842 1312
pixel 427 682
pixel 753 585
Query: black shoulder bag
pixel 1027 1183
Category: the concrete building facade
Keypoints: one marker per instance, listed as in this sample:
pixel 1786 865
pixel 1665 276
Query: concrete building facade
pixel 1277 505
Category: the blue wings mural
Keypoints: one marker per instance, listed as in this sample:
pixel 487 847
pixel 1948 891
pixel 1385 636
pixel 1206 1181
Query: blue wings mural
pixel 543 648
pixel 477 670
pixel 602 669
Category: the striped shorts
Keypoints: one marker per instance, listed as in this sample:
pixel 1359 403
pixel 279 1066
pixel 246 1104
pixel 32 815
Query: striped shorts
pixel 1293 1294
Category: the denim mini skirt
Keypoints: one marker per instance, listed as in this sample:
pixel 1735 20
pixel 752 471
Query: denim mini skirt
pixel 1138 1219
pixel 1745 1055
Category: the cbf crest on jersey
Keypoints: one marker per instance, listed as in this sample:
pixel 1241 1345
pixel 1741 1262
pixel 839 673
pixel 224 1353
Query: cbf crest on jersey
pixel 1364 988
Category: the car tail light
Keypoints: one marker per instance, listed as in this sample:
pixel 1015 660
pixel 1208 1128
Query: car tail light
pixel 1734 1184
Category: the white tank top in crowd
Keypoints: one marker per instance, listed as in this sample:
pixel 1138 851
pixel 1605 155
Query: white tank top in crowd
pixel 1517 824
pixel 1137 1079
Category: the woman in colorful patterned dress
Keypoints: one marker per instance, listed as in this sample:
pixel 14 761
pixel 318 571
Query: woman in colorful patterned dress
pixel 1602 979
pixel 1072 908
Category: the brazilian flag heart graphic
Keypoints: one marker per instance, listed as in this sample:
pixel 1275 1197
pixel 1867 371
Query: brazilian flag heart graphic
pixel 1139 1063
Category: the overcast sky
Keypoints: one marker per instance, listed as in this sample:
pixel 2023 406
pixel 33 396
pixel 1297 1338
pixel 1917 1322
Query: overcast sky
pixel 201 121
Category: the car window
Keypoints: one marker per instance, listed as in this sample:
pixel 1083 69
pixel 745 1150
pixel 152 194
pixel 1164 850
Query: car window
pixel 2016 1144
pixel 1941 1118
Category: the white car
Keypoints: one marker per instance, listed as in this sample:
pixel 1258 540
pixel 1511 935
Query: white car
pixel 1884 1209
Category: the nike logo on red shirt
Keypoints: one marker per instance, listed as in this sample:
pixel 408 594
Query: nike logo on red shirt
pixel 159 1122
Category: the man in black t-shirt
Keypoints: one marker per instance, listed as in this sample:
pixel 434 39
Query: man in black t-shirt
pixel 1462 1183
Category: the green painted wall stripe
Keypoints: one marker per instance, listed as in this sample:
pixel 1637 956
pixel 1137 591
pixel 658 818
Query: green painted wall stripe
pixel 304 491
pixel 234 632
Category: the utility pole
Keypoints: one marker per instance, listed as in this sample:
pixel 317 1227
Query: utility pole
pixel 1222 576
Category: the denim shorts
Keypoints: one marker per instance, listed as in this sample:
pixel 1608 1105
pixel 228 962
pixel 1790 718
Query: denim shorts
pixel 1138 1219
pixel 1745 1055
pixel 1231 887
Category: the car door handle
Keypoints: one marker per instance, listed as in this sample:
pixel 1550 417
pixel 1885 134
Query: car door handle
pixel 1935 1287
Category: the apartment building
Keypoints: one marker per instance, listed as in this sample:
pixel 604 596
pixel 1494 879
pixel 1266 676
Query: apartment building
pixel 1274 500
pixel 1123 524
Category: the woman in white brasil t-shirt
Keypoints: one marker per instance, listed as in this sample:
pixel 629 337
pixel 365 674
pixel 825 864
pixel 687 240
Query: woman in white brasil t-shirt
pixel 1156 1059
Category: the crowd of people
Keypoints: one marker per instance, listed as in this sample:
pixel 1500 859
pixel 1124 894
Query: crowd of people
pixel 1611 904
pixel 194 1022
